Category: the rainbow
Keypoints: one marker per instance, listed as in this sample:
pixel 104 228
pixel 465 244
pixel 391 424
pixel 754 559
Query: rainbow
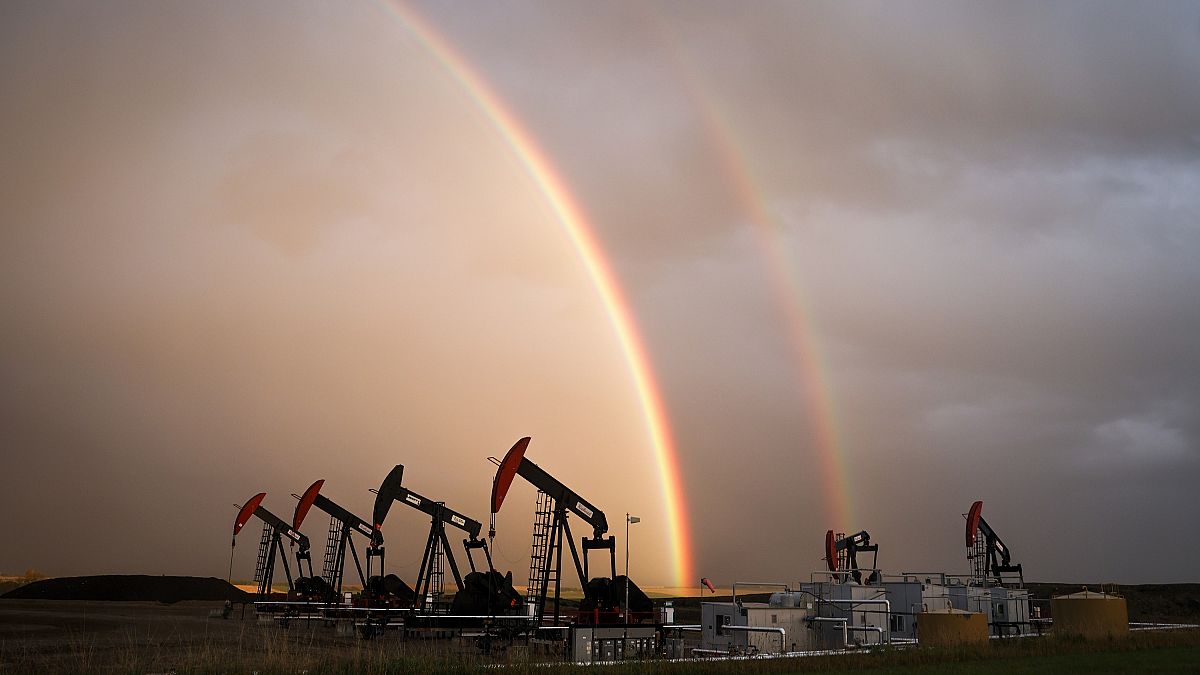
pixel 813 378
pixel 572 219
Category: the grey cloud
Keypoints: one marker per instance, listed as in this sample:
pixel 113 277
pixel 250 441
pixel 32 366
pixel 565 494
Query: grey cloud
pixel 989 212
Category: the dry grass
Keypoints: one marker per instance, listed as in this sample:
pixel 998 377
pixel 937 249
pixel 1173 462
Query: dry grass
pixel 256 648
pixel 244 647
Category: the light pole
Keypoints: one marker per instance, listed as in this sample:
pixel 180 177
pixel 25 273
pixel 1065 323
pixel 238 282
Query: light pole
pixel 629 520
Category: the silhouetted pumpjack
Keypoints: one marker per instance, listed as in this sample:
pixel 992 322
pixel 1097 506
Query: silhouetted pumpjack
pixel 274 529
pixel 990 558
pixel 341 524
pixel 436 545
pixel 841 555
pixel 551 527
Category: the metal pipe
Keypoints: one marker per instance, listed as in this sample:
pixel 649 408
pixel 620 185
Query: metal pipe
pixel 771 584
pixel 834 619
pixel 516 617
pixel 944 577
pixel 1135 626
pixel 865 601
pixel 874 601
pixel 833 574
pixel 697 650
pixel 764 629
pixel 870 629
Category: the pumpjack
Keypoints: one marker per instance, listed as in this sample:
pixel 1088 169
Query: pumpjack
pixel 271 544
pixel 991 559
pixel 431 576
pixel 841 555
pixel 342 523
pixel 551 527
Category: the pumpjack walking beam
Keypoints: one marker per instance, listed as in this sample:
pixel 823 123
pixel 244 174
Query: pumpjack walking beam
pixel 342 524
pixel 564 500
pixel 271 544
pixel 392 490
pixel 990 558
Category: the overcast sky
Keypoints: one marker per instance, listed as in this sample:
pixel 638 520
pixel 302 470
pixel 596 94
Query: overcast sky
pixel 244 246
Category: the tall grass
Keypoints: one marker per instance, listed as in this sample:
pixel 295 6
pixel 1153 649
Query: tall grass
pixel 268 649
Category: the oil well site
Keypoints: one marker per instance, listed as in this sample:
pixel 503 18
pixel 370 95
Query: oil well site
pixel 346 610
pixel 849 334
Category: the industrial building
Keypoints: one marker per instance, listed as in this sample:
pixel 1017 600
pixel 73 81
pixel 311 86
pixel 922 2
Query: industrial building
pixel 784 624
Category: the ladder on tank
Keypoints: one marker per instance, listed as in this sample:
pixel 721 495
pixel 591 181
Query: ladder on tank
pixel 334 552
pixel 535 592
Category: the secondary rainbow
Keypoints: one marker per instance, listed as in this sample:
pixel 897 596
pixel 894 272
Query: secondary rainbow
pixel 808 358
pixel 809 363
pixel 573 220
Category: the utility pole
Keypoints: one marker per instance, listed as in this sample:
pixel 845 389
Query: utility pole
pixel 629 520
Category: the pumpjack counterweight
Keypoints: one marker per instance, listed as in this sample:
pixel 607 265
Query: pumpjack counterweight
pixel 430 577
pixel 552 527
pixel 271 544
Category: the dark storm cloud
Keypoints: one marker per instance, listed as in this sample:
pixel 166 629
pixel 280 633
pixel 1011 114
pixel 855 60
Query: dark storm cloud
pixel 992 210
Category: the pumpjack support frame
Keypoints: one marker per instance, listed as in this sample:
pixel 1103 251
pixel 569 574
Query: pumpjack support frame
pixel 339 542
pixel 437 543
pixel 271 544
pixel 547 556
pixel 991 559
pixel 841 555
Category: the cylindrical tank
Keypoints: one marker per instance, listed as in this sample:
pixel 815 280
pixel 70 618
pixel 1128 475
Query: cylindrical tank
pixel 666 613
pixel 951 627
pixel 1090 615
pixel 788 599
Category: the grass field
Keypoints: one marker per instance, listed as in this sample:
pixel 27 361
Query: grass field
pixel 141 637
pixel 1161 652
pixel 1163 660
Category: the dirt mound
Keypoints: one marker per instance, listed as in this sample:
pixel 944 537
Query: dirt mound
pixel 129 587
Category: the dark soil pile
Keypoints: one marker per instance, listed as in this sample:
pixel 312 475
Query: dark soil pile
pixel 129 587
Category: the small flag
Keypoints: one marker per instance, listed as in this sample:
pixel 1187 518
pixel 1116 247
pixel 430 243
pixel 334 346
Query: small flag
pixel 708 584
pixel 634 519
